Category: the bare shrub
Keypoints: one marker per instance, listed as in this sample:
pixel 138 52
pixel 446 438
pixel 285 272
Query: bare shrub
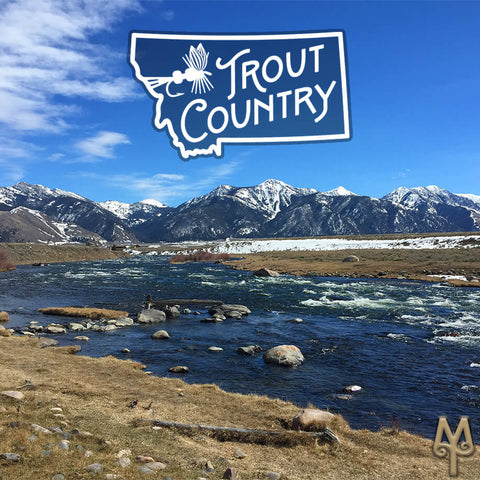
pixel 6 263
pixel 201 256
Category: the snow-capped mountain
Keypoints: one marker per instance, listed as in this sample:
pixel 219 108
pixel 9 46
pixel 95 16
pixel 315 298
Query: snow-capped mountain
pixel 67 207
pixel 270 209
pixel 135 213
pixel 23 224
pixel 268 197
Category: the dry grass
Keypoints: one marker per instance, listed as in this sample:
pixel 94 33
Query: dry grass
pixel 28 253
pixel 393 263
pixel 84 312
pixel 94 395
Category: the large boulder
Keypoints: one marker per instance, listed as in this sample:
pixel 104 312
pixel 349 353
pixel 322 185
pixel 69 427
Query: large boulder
pixel 161 335
pixel 55 328
pixel 229 310
pixel 123 322
pixel 312 419
pixel 151 316
pixel 285 355
pixel 266 272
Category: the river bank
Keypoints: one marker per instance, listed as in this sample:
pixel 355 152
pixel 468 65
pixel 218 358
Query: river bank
pixel 457 266
pixel 30 253
pixel 105 396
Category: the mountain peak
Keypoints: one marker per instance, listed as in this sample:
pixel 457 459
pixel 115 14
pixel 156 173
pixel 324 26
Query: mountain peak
pixel 153 203
pixel 339 192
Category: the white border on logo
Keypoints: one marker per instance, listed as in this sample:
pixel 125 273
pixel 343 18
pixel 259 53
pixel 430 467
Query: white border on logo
pixel 217 147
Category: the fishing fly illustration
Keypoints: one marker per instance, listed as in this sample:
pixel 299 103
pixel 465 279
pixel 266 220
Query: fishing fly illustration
pixel 196 73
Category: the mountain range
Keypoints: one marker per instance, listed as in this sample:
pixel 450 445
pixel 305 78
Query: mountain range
pixel 34 213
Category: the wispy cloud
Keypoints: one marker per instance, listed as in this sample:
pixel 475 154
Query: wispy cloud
pixel 102 144
pixel 166 187
pixel 47 56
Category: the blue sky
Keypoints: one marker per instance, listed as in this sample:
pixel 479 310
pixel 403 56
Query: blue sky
pixel 73 117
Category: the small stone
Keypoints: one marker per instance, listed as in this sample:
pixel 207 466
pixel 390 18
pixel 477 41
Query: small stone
pixel 112 476
pixel 14 424
pixel 273 476
pixel 214 319
pixel 250 350
pixel 125 350
pixel 55 328
pixel 144 459
pixel 156 466
pixel 295 320
pixel 215 349
pixel 352 388
pixel 124 462
pixel 76 327
pixel 32 438
pixel 88 453
pixel 265 272
pixel 40 429
pixel 81 338
pixel 27 334
pixel 56 410
pixel 58 476
pixel 11 457
pixel 47 342
pixel 230 474
pixel 179 369
pixel 186 311
pixel 196 312
pixel 14 394
pixel 64 445
pixel 209 467
pixel 160 335
pixel 144 469
pixel 239 453
pixel 95 468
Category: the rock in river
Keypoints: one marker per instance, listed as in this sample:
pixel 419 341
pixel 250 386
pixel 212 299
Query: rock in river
pixel 266 272
pixel 151 316
pixel 161 335
pixel 286 355
pixel 250 350
pixel 229 309
pixel 179 369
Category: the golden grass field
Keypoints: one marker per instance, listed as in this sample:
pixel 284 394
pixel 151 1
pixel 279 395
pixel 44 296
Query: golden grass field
pixel 95 394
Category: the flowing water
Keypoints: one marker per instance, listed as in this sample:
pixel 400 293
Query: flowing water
pixel 412 346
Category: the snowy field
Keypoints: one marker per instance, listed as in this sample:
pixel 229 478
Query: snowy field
pixel 324 244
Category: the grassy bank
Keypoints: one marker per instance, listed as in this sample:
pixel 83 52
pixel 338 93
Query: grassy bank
pixel 391 263
pixel 96 395
pixel 28 253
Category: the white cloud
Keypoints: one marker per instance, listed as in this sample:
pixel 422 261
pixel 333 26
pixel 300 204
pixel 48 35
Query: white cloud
pixel 102 144
pixel 165 187
pixel 47 57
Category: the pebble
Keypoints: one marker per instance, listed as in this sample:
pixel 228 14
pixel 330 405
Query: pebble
pixel 295 320
pixel 56 410
pixel 144 469
pixel 230 474
pixel 239 453
pixel 64 445
pixel 144 459
pixel 11 457
pixel 47 342
pixel 88 453
pixel 58 476
pixel 32 438
pixel 15 394
pixel 273 476
pixel 112 476
pixel 95 468
pixel 209 467
pixel 81 338
pixel 125 350
pixel 215 349
pixel 39 429
pixel 155 466
pixel 124 462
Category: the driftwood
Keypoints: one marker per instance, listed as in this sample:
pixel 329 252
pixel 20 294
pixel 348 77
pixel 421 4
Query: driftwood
pixel 247 435
pixel 187 301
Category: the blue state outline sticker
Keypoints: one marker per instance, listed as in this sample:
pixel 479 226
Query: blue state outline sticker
pixel 216 89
